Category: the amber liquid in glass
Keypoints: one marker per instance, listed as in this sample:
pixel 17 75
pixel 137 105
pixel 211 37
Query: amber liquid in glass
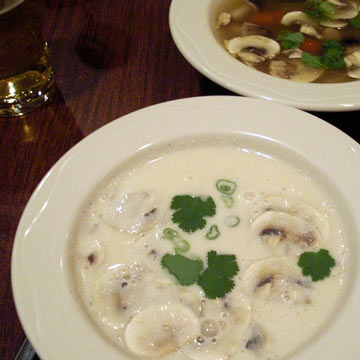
pixel 26 77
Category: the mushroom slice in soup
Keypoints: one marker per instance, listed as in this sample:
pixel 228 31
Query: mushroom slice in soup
pixel 159 330
pixel 245 9
pixel 348 11
pixel 253 48
pixel 276 226
pixel 311 31
pixel 253 29
pixel 277 280
pixel 120 293
pixel 92 252
pixel 132 212
pixel 297 18
pixel 293 53
pixel 257 339
pixel 222 327
pixel 339 3
pixel 290 221
pixel 352 62
pixel 224 18
pixel 336 24
pixel 295 70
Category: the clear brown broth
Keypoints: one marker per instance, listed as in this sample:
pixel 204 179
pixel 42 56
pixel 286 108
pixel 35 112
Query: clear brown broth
pixel 233 29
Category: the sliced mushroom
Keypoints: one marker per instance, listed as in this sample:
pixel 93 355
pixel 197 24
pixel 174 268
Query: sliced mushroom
pixel 161 329
pixel 121 292
pixel 91 251
pixel 223 325
pixel 277 226
pixel 223 19
pixel 346 12
pixel 352 61
pixel 297 17
pixel 276 279
pixel 311 31
pixel 131 212
pixel 243 11
pixel 253 29
pixel 295 70
pixel 339 3
pixel 336 24
pixel 253 48
pixel 257 339
pixel 293 53
pixel 290 221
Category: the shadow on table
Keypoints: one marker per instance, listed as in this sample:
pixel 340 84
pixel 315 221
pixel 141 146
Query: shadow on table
pixel 209 88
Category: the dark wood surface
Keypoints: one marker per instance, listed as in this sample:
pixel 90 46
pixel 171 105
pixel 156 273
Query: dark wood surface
pixel 110 57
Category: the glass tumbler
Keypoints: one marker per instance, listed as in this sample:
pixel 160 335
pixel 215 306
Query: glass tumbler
pixel 26 77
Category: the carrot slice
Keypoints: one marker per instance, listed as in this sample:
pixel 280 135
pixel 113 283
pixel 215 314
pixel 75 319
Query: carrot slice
pixel 267 18
pixel 311 45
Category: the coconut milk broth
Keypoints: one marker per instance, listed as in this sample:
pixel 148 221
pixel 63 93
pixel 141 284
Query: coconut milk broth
pixel 194 170
pixel 234 29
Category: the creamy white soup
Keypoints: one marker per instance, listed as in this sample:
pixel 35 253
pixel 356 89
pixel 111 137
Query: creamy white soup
pixel 210 251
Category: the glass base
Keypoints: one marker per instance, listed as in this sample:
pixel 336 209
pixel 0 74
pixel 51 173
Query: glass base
pixel 27 101
pixel 28 90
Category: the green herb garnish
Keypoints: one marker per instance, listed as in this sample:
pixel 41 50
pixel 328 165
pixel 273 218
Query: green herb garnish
pixel 186 271
pixel 355 22
pixel 180 244
pixel 312 61
pixel 217 280
pixel 213 233
pixel 332 58
pixel 191 210
pixel 316 264
pixel 226 186
pixel 290 40
pixel 320 10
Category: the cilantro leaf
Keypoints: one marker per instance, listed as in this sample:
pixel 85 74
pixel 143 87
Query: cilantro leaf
pixel 332 44
pixel 320 10
pixel 311 60
pixel 316 264
pixel 187 271
pixel 216 280
pixel 191 210
pixel 290 40
pixel 214 284
pixel 227 263
pixel 355 22
pixel 333 57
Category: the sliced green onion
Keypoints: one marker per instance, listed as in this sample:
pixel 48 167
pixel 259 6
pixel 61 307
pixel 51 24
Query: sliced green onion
pixel 226 186
pixel 176 239
pixel 213 232
pixel 232 221
pixel 228 201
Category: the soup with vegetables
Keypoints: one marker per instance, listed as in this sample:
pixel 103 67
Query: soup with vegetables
pixel 207 250
pixel 305 41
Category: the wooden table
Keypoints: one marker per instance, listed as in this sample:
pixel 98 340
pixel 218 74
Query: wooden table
pixel 110 57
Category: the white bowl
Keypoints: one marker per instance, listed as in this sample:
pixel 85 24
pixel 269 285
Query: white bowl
pixel 190 25
pixel 46 302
